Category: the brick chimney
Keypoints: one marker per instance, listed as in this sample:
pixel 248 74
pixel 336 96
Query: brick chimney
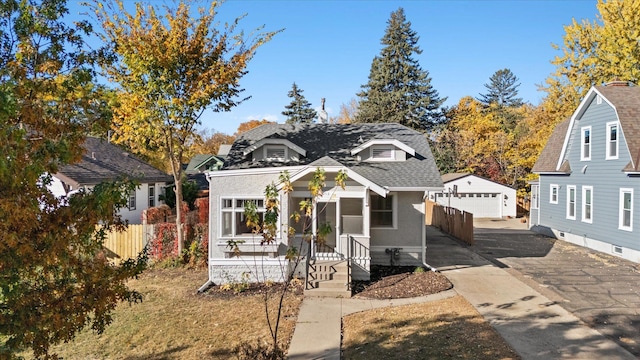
pixel 617 83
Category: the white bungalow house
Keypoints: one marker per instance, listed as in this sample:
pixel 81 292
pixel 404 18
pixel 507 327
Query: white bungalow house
pixel 104 161
pixel 377 219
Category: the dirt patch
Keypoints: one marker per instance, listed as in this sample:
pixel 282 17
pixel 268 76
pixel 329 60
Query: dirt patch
pixel 400 282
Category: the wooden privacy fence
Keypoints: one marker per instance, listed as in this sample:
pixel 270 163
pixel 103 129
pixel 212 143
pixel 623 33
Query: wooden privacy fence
pixel 451 221
pixel 123 245
pixel 523 206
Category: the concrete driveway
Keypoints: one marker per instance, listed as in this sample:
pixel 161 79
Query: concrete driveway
pixel 600 289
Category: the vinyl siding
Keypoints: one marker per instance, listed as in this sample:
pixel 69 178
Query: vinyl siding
pixel 606 178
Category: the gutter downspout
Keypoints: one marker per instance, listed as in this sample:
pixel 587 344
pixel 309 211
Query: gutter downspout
pixel 209 283
pixel 424 237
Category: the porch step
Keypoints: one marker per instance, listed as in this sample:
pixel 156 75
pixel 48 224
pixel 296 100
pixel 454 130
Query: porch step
pixel 328 279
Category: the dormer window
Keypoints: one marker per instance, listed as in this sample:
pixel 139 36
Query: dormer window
pixel 275 152
pixel 382 152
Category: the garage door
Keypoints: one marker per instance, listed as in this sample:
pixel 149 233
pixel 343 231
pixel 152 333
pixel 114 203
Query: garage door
pixel 481 205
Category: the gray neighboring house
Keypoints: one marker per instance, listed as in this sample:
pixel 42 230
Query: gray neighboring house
pixel 103 161
pixel 198 166
pixel 377 219
pixel 588 192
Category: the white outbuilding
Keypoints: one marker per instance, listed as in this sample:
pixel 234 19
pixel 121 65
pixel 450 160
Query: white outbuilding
pixel 482 197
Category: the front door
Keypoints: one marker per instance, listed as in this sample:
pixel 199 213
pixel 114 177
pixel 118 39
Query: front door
pixel 326 226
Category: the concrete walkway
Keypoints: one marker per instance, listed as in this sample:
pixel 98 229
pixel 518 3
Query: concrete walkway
pixel 319 327
pixel 533 325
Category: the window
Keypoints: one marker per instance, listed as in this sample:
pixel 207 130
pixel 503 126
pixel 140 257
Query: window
pixel 382 214
pixel 304 223
pixel 534 197
pixel 553 193
pixel 382 153
pixel 275 153
pixel 626 209
pixel 571 202
pixel 587 204
pixel 585 155
pixel 234 222
pixel 152 195
pixel 612 141
pixel 132 200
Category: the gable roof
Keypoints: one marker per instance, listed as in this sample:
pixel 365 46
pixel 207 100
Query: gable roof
pixel 331 144
pixel 446 178
pixel 103 161
pixel 625 100
pixel 548 159
pixel 198 163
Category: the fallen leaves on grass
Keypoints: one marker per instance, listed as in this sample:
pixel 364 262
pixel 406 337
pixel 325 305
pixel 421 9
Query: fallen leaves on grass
pixel 173 322
pixel 445 329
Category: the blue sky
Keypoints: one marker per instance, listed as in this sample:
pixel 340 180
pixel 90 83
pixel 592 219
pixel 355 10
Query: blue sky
pixel 327 47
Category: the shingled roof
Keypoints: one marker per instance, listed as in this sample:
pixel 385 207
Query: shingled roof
pixel 548 159
pixel 626 102
pixel 331 144
pixel 103 161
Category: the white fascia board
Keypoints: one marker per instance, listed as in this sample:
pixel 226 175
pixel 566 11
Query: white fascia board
pixel 406 189
pixel 253 171
pixel 397 143
pixel 593 92
pixel 352 175
pixel 267 141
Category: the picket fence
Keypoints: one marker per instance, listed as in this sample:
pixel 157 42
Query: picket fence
pixel 127 244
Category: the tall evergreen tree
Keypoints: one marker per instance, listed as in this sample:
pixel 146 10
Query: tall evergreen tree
pixel 299 111
pixel 502 89
pixel 399 90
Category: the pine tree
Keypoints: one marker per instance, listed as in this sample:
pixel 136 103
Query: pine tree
pixel 502 90
pixel 399 90
pixel 299 111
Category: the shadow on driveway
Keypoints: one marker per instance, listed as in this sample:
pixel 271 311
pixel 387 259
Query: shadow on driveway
pixel 601 289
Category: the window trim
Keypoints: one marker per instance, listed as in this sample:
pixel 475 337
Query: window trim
pixel 585 204
pixel 621 210
pixel 234 210
pixel 394 212
pixel 555 187
pixel 383 147
pixel 569 204
pixel 583 130
pixel 610 126
pixel 131 203
pixel 535 196
pixel 276 147
pixel 152 195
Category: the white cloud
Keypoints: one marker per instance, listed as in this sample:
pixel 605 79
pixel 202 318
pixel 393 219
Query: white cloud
pixel 267 117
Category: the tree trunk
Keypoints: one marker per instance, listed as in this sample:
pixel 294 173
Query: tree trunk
pixel 179 232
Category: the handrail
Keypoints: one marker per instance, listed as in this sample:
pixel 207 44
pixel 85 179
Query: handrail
pixel 308 259
pixel 350 241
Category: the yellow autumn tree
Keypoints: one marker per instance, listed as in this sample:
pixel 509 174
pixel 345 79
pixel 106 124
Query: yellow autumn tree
pixel 594 52
pixel 486 141
pixel 170 67
pixel 55 279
